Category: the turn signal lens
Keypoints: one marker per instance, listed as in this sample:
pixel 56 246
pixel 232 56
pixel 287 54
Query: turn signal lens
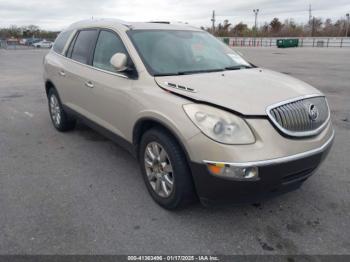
pixel 234 172
pixel 216 169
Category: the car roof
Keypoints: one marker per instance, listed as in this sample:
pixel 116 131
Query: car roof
pixel 125 26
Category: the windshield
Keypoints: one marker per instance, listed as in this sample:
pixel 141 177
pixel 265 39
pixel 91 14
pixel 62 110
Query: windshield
pixel 173 52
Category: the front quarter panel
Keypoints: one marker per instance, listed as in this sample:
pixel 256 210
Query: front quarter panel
pixel 165 108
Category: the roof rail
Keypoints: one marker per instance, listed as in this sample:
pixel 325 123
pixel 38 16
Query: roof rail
pixel 121 22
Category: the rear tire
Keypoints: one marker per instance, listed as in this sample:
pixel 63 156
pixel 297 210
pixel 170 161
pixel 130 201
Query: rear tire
pixel 169 166
pixel 60 119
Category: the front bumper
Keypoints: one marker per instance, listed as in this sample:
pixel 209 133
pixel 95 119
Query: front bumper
pixel 276 176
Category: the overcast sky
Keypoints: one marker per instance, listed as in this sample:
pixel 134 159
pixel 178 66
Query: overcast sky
pixel 57 14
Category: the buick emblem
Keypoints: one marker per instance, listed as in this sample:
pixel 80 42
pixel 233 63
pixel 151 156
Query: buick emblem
pixel 313 112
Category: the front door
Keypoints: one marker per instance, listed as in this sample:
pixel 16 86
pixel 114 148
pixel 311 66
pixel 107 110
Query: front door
pixel 110 99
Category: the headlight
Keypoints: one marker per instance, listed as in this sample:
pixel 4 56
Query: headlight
pixel 220 125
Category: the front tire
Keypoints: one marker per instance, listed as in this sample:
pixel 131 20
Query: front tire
pixel 165 170
pixel 60 119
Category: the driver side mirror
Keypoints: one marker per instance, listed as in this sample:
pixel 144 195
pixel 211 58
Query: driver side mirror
pixel 119 62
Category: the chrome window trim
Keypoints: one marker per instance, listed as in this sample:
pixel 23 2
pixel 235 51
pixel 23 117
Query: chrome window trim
pixel 278 160
pixel 91 67
pixel 298 134
pixel 70 38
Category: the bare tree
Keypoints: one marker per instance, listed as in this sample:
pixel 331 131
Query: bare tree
pixel 14 31
pixel 276 26
pixel 240 29
pixel 316 25
pixel 264 30
pixel 223 29
pixel 328 28
pixel 289 28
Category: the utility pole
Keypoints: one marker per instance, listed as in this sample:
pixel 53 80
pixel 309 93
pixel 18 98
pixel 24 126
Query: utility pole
pixel 256 12
pixel 213 21
pixel 311 21
pixel 310 13
pixel 347 25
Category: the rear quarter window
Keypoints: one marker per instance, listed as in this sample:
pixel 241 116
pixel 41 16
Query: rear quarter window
pixel 61 41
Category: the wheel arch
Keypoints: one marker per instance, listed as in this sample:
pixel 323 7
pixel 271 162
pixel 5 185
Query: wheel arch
pixel 48 86
pixel 147 123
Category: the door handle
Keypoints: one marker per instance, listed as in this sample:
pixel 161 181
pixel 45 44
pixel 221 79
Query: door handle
pixel 62 73
pixel 89 84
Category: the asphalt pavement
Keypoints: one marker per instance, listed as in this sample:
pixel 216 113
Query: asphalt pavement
pixel 79 193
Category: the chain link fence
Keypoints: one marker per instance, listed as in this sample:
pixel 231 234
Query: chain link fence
pixel 337 42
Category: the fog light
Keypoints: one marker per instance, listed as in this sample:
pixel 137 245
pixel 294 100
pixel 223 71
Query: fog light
pixel 228 171
pixel 251 172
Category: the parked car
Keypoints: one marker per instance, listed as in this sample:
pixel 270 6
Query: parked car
pixel 12 41
pixel 31 41
pixel 201 120
pixel 44 43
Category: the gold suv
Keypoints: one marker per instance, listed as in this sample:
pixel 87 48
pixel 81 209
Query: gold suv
pixel 202 121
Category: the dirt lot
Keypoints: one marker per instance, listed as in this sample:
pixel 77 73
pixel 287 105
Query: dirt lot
pixel 78 193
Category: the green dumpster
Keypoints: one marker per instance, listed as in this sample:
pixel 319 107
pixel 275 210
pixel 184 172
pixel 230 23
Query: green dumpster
pixel 285 43
pixel 226 40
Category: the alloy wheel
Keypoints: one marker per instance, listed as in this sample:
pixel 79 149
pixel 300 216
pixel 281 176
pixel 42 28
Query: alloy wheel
pixel 55 110
pixel 159 169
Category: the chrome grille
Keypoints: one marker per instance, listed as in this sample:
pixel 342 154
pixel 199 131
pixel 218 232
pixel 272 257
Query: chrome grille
pixel 300 117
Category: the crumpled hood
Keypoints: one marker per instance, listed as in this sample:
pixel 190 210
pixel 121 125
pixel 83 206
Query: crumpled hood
pixel 247 91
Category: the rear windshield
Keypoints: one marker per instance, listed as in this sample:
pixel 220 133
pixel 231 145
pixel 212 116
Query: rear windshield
pixel 174 52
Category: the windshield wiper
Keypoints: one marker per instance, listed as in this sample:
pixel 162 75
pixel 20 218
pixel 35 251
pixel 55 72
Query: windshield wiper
pixel 166 74
pixel 200 71
pixel 237 67
pixel 189 72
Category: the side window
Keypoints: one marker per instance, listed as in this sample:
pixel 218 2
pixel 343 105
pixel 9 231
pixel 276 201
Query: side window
pixel 83 45
pixel 108 44
pixel 61 41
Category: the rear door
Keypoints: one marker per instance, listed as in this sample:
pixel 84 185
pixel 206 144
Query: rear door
pixel 78 72
pixel 55 63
